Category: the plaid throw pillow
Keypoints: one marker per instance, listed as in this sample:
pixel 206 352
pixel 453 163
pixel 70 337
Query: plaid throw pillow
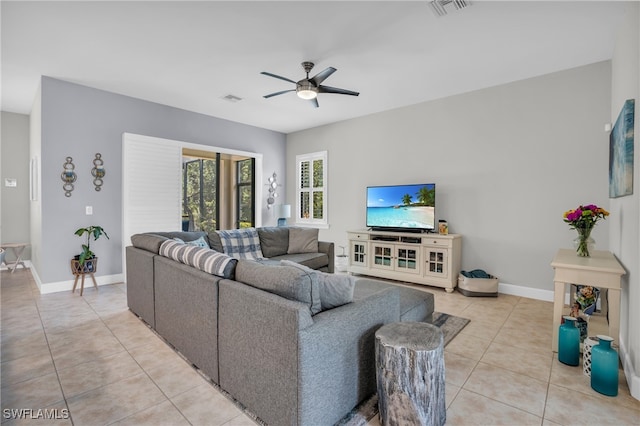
pixel 241 243
pixel 204 259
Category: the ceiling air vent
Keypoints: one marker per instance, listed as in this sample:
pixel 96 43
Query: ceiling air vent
pixel 231 98
pixel 439 7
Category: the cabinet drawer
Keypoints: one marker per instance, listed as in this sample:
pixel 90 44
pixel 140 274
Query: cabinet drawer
pixel 358 236
pixel 437 242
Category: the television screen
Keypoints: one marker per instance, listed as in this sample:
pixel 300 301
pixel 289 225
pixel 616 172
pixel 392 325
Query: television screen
pixel 402 207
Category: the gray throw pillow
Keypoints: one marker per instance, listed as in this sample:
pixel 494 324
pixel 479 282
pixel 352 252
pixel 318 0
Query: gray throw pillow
pixel 303 240
pixel 335 289
pixel 274 241
pixel 290 283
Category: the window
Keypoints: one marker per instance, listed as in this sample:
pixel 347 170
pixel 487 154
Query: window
pixel 245 188
pixel 218 191
pixel 311 191
pixel 199 194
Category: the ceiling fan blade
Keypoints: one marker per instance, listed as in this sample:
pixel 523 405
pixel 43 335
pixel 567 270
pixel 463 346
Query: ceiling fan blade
pixel 278 93
pixel 277 76
pixel 322 76
pixel 328 89
pixel 314 101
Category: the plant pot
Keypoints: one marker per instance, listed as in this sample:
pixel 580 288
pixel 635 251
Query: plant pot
pixel 90 266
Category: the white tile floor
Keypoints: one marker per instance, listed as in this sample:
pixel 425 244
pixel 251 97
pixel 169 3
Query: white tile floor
pixel 93 357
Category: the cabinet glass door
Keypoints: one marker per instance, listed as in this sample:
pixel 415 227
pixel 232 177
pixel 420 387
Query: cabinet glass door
pixel 407 259
pixel 383 256
pixel 436 263
pixel 359 253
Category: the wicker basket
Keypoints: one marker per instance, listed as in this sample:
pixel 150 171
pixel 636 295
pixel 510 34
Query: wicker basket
pixel 478 287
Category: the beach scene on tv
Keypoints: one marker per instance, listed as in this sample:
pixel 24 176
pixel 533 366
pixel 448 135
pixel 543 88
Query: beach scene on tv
pixel 401 206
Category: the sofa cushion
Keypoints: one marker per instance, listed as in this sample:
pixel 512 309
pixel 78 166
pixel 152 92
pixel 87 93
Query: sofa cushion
pixel 241 243
pixel 202 258
pixel 285 281
pixel 214 241
pixel 303 240
pixel 274 241
pixel 415 305
pixel 312 260
pixel 335 289
pixel 149 242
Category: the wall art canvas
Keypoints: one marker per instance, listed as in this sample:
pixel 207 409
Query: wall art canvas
pixel 621 152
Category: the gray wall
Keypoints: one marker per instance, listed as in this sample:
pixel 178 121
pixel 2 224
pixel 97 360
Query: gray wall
pixel 79 121
pixel 507 161
pixel 625 211
pixel 14 152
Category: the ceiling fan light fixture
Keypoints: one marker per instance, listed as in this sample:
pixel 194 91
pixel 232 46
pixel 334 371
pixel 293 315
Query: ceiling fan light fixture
pixel 306 90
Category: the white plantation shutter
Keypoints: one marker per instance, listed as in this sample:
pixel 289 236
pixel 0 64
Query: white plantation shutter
pixel 152 185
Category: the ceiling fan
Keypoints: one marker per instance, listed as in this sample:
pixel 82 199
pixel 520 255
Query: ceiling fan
pixel 308 88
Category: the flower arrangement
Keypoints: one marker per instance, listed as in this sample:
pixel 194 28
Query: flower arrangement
pixel 583 219
pixel 585 296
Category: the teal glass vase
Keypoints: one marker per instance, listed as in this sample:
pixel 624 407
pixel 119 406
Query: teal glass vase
pixel 569 342
pixel 604 367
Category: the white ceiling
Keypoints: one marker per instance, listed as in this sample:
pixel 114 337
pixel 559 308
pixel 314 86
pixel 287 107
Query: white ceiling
pixel 395 53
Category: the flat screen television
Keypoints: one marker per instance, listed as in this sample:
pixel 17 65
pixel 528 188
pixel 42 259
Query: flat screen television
pixel 402 207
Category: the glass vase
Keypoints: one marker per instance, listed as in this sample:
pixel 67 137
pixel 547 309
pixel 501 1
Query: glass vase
pixel 604 367
pixel 569 342
pixel 583 242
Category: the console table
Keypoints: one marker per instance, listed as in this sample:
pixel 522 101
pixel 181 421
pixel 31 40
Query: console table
pixel 601 270
pixel 429 259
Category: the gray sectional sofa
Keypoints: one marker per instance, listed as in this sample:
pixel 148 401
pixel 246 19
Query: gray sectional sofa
pixel 257 335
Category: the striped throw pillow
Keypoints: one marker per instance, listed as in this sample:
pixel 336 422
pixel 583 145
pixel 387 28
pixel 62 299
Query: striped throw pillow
pixel 201 258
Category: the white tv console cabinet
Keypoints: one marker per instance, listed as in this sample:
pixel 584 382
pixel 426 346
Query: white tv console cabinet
pixel 430 259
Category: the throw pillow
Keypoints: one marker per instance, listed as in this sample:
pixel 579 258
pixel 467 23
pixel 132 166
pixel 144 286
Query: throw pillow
pixel 274 241
pixel 200 242
pixel 290 283
pixel 201 258
pixel 335 289
pixel 303 240
pixel 241 243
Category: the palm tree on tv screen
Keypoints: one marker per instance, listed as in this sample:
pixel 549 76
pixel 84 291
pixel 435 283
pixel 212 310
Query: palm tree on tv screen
pixel 427 196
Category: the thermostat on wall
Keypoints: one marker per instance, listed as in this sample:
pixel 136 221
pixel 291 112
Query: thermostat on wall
pixel 12 182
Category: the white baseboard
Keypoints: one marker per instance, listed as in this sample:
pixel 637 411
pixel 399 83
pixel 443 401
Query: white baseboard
pixel 633 380
pixel 54 287
pixel 529 292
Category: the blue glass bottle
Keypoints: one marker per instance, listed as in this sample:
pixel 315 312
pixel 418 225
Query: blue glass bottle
pixel 569 342
pixel 604 367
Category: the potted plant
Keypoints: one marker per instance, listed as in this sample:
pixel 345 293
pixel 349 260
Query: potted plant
pixel 87 259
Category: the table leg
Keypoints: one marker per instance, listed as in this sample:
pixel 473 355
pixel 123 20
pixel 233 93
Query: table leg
pixel 75 283
pixel 558 306
pixel 94 282
pixel 82 285
pixel 18 251
pixel 613 297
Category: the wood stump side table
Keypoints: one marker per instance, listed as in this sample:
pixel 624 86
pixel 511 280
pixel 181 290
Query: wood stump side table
pixel 89 268
pixel 410 374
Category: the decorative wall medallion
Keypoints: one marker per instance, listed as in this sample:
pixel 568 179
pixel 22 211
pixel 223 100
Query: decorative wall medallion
pixel 273 194
pixel 98 171
pixel 68 176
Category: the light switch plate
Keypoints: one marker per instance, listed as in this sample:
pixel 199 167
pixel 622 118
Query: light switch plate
pixel 88 210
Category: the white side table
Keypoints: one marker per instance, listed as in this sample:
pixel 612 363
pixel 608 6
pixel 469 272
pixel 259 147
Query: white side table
pixel 18 250
pixel 601 270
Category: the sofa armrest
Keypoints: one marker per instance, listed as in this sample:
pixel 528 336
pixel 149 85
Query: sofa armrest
pixel 337 357
pixel 328 248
